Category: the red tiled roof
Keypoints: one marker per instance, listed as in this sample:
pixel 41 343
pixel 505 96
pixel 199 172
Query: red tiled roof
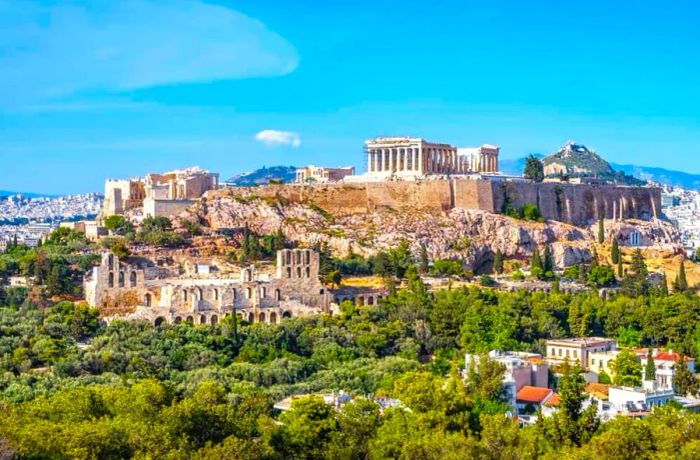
pixel 535 395
pixel 553 401
pixel 665 356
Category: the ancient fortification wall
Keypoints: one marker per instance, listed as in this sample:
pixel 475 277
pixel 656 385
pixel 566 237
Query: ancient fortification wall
pixel 573 203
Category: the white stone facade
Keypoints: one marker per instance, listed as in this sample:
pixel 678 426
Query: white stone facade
pixel 322 175
pixel 416 157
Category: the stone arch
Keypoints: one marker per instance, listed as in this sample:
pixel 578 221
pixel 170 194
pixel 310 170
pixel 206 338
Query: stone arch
pixel 132 279
pixel 261 317
pixel 148 299
pixel 289 272
pixel 234 293
pixel 370 300
pixel 159 321
pixel 202 319
pixel 178 320
pixel 263 292
pixel 361 301
pixel 249 293
pixel 216 294
pixel 199 294
pixel 184 295
pixel 278 294
pixel 214 319
pixel 190 320
pixel 111 279
pixel 273 318
pixel 298 272
pixel 287 314
pixel 110 261
pixel 308 272
pixel 121 279
pixel 251 318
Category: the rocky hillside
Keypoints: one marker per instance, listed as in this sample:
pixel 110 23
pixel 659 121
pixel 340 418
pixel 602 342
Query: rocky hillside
pixel 576 160
pixel 470 235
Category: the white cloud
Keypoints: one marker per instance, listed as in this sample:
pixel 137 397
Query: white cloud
pixel 56 49
pixel 274 138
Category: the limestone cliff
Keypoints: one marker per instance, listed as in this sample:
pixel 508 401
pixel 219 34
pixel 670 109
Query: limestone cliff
pixel 472 235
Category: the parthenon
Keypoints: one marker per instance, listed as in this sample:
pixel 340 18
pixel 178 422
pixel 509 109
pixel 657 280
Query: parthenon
pixel 406 156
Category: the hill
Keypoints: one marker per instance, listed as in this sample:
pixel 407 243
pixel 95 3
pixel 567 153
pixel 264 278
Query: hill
pixel 263 176
pixel 6 193
pixel 576 160
pixel 662 176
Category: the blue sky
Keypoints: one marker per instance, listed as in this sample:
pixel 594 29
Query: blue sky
pixel 90 90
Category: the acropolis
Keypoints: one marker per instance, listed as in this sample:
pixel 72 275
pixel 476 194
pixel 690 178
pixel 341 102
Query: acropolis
pixel 416 157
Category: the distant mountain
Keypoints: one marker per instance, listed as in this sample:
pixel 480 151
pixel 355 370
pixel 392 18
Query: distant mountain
pixel 515 166
pixel 263 176
pixel 576 160
pixel 661 175
pixel 6 193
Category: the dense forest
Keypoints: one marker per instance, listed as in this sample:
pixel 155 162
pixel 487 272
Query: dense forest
pixel 72 387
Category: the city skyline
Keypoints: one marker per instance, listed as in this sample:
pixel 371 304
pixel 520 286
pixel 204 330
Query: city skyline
pixel 111 91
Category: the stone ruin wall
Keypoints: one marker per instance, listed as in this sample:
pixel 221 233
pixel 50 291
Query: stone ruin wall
pixel 578 204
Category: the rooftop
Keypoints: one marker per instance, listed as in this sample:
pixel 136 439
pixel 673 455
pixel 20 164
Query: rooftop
pixel 585 341
pixel 534 395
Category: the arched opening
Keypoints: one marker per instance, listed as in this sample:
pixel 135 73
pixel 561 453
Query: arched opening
pixel 379 298
pixel 289 272
pixel 159 321
pixel 249 293
pixel 121 279
pixel 110 261
pixel 361 301
pixel 148 299
pixel 184 295
pixel 298 272
pixel 308 272
pixel 370 300
pixel 263 292
pixel 190 320
pixel 178 320
pixel 273 318
pixel 202 319
pixel 261 317
pixel 214 319
pixel 278 294
pixel 200 294
pixel 235 294
pixel 251 318
pixel 216 294
pixel 307 256
pixel 287 314
pixel 132 279
pixel 111 279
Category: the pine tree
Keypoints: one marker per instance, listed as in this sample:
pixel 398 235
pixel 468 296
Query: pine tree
pixel 639 266
pixel 615 251
pixel 498 262
pixel 650 368
pixel 534 169
pixel 423 261
pixel 619 268
pixel 601 231
pixel 663 288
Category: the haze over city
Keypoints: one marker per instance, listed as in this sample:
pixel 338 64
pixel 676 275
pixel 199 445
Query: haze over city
pixel 90 91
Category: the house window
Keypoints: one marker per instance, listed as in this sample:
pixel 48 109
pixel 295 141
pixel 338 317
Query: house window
pixel 111 279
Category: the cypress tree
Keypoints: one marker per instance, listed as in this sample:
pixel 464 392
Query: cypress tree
pixel 615 251
pixel 423 261
pixel 498 262
pixel 682 280
pixel 547 262
pixel 650 368
pixel 663 289
pixel 536 262
pixel 619 268
pixel 601 231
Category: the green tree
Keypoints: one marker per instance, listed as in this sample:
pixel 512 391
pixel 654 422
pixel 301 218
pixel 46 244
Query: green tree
pixel 684 382
pixel 498 262
pixel 650 367
pixel 681 282
pixel 629 337
pixel 536 269
pixel 306 430
pixel 615 251
pixel 601 231
pixel 601 275
pixel 423 260
pixel 627 371
pixel 534 169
